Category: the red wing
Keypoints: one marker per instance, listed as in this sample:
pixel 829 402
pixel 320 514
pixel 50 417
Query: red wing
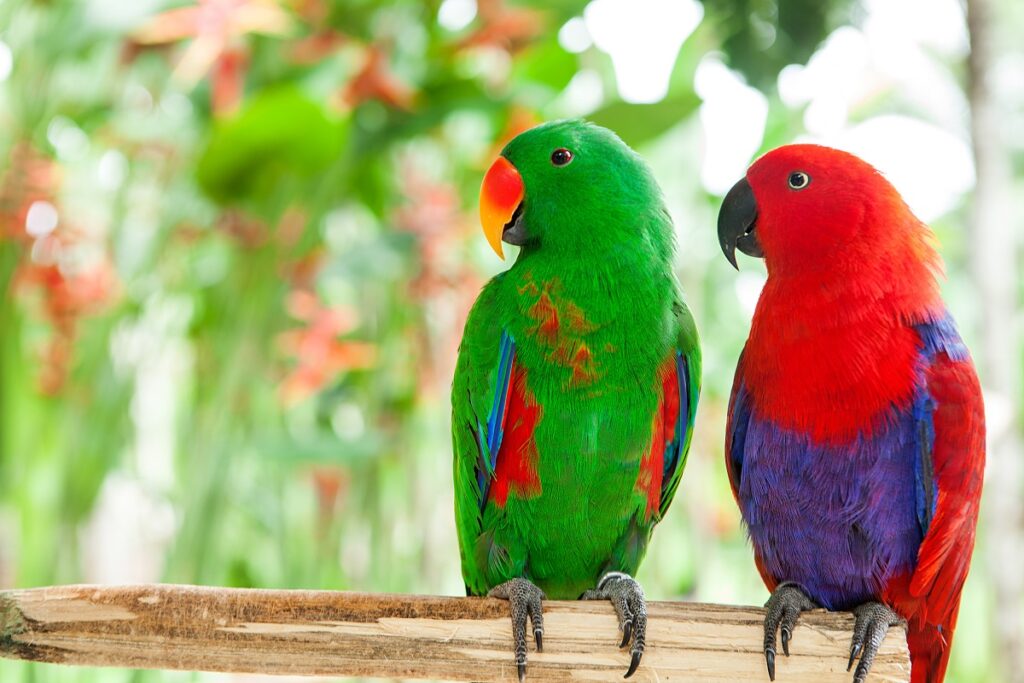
pixel 958 457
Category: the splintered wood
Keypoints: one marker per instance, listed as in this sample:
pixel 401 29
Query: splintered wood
pixel 408 636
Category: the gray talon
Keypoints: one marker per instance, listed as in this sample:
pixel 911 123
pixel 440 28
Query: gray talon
pixel 873 622
pixel 627 597
pixel 782 612
pixel 524 601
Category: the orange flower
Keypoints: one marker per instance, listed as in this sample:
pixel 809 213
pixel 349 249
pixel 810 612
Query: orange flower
pixel 319 355
pixel 375 81
pixel 507 28
pixel 216 28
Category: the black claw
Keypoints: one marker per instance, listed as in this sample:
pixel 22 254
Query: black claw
pixel 633 664
pixel 854 651
pixel 627 597
pixel 873 621
pixel 524 603
pixel 782 611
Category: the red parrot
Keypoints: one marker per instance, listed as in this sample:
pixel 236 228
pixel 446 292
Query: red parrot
pixel 855 443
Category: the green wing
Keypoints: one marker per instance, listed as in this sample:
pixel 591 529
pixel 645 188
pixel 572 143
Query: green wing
pixel 484 364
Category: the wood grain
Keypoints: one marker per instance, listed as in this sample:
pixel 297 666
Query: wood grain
pixel 408 636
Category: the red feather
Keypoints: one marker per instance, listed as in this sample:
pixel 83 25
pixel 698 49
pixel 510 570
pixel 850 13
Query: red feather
pixel 516 467
pixel 663 433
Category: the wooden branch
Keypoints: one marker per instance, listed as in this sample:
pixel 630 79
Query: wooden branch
pixel 403 636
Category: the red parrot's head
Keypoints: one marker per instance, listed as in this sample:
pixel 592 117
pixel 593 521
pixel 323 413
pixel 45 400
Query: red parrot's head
pixel 808 207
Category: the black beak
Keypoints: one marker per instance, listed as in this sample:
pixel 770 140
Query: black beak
pixel 737 223
pixel 515 230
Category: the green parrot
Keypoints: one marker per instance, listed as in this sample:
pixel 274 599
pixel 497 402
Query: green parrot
pixel 576 384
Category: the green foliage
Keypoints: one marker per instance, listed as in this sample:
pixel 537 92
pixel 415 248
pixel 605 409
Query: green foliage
pixel 760 37
pixel 281 136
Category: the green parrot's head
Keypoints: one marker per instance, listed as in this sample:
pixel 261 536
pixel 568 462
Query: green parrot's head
pixel 576 188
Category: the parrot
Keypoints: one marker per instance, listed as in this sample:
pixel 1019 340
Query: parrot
pixel 855 438
pixel 576 382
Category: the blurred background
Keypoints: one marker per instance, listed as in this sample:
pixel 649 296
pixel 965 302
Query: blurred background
pixel 238 242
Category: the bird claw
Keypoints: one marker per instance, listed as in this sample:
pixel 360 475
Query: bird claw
pixel 781 614
pixel 627 597
pixel 873 622
pixel 524 601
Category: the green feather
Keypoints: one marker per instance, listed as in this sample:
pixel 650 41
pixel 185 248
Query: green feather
pixel 599 254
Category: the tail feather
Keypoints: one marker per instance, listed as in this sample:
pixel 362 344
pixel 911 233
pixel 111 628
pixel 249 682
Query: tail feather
pixel 929 648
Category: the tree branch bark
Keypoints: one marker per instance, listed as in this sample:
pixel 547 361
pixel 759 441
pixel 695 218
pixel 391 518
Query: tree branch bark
pixel 401 636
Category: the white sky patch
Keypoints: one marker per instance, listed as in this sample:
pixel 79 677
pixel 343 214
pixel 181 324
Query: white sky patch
pixel 41 218
pixel 6 61
pixel 749 284
pixel 832 80
pixel 585 93
pixel 574 36
pixel 935 24
pixel 733 116
pixel 455 15
pixel 894 52
pixel 931 167
pixel 643 38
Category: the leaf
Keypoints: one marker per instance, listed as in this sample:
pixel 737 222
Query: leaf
pixel 547 63
pixel 280 136
pixel 639 123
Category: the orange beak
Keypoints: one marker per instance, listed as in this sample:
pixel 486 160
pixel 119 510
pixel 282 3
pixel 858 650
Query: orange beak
pixel 500 195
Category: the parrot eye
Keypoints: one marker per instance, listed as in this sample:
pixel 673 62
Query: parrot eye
pixel 561 156
pixel 798 180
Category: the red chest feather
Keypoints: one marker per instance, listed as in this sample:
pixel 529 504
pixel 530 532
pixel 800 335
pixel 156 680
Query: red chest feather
pixel 829 370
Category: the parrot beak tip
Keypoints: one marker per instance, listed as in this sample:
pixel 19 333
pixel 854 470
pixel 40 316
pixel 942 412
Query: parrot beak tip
pixel 737 223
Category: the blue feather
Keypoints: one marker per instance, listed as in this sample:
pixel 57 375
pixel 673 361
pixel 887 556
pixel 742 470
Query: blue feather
pixel 495 419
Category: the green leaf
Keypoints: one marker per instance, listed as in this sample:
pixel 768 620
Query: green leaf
pixel 280 136
pixel 639 123
pixel 548 64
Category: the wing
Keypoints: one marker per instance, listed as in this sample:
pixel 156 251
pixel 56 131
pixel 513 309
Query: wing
pixel 493 418
pixel 680 391
pixel 736 429
pixel 949 470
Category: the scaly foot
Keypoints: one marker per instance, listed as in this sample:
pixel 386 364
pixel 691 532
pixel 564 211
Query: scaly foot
pixel 628 599
pixel 783 610
pixel 524 600
pixel 873 622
